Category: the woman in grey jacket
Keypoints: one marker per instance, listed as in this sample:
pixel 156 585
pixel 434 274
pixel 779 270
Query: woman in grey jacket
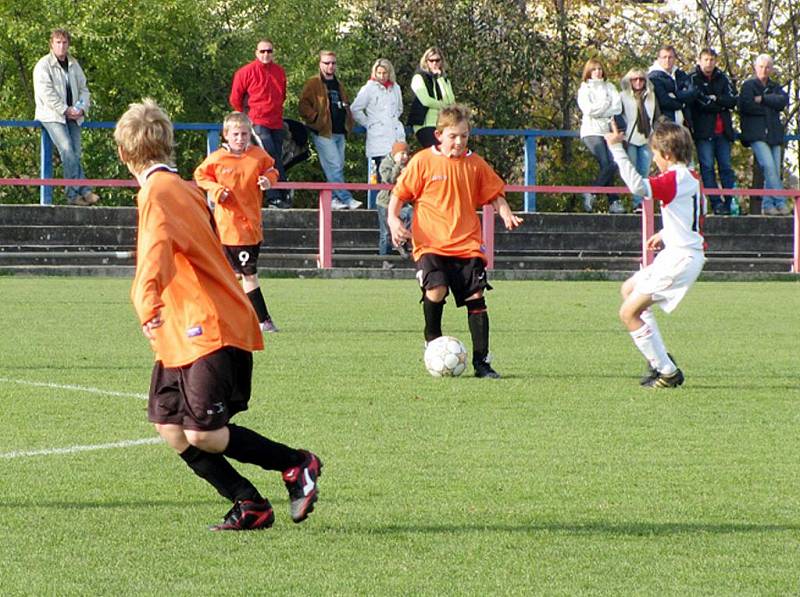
pixel 640 108
pixel 377 108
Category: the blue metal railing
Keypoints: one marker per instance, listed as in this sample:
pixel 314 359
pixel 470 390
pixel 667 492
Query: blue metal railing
pixel 213 139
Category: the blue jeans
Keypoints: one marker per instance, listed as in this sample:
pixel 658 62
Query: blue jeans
pixel 641 157
pixel 719 148
pixel 385 241
pixel 67 139
pixel 331 157
pixel 608 167
pixel 769 158
pixel 272 140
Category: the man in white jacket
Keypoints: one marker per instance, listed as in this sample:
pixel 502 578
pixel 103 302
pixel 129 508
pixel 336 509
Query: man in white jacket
pixel 62 101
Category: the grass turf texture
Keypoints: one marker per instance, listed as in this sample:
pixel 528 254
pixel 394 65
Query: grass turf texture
pixel 564 477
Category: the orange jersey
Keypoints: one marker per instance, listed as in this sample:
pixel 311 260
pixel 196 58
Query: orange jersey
pixel 182 273
pixel 239 216
pixel 446 192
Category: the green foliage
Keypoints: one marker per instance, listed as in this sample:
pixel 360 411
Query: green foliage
pixel 515 63
pixel 562 478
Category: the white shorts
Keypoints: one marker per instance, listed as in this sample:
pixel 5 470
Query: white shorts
pixel 668 278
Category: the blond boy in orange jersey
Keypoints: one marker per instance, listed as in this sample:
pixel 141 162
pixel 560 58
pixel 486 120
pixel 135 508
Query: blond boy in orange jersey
pixel 447 183
pixel 235 176
pixel 202 330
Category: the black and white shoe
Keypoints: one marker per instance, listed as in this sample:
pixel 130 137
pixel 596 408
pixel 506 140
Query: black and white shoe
pixel 673 380
pixel 301 483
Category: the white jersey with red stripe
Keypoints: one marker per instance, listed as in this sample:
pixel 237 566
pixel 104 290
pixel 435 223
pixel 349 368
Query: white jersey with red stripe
pixel 683 207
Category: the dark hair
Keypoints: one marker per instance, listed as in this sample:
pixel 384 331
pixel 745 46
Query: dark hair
pixel 708 52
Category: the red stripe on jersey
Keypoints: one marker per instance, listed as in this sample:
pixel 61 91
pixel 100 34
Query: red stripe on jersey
pixel 664 186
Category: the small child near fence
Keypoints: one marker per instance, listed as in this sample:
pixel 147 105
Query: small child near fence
pixel 390 168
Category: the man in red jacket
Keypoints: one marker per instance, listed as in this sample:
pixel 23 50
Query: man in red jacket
pixel 259 90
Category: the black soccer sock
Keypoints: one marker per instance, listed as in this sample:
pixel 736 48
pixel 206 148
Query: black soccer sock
pixel 259 305
pixel 218 472
pixel 478 320
pixel 433 318
pixel 245 445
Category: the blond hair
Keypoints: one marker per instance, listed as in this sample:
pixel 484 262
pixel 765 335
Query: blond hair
pixel 453 116
pixel 383 62
pixel 144 135
pixel 432 51
pixel 673 141
pixel 236 119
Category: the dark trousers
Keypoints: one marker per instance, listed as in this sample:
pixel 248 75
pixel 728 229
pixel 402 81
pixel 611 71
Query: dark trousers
pixel 272 140
pixel 608 167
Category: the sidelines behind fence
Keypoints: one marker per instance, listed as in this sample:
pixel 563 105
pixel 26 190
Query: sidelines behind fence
pixel 325 255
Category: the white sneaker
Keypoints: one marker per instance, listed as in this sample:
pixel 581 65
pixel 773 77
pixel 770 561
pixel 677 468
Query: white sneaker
pixel 354 204
pixel 616 207
pixel 336 204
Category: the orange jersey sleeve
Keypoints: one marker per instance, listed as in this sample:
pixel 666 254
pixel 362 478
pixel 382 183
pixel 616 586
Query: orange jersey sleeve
pixel 182 272
pixel 238 217
pixel 446 193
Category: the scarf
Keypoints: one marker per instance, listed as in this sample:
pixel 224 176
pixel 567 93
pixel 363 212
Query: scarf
pixel 642 121
pixel 388 84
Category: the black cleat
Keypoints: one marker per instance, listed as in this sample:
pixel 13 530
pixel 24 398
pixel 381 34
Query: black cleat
pixel 673 380
pixel 652 372
pixel 301 483
pixel 484 369
pixel 247 515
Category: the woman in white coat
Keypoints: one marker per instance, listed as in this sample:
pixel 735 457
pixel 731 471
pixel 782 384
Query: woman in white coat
pixel 641 111
pixel 599 101
pixel 377 108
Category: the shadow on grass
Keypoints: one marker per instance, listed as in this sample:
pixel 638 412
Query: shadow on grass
pixel 634 529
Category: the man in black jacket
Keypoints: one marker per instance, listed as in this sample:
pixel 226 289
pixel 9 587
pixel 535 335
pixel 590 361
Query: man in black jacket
pixel 673 88
pixel 713 127
pixel 760 105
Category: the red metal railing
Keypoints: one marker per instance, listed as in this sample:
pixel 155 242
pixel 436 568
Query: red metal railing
pixel 325 256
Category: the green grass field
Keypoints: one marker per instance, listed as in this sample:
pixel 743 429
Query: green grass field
pixel 563 478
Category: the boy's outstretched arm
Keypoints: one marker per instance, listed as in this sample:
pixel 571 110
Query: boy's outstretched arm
pixel 504 211
pixel 400 234
pixel 633 180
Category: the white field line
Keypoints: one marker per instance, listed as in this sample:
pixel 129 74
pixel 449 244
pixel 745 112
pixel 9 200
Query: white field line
pixel 58 386
pixel 75 449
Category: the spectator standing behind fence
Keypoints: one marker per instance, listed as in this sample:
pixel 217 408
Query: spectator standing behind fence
pixel 377 108
pixel 432 92
pixel 712 126
pixel 599 101
pixel 672 86
pixel 761 102
pixel 62 102
pixel 325 109
pixel 259 90
pixel 640 109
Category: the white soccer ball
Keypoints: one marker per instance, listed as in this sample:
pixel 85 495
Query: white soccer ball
pixel 445 357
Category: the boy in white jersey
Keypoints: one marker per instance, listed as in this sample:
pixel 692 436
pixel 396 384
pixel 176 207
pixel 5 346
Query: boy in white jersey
pixel 677 266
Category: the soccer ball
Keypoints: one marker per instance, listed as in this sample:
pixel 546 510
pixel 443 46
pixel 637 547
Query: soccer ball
pixel 445 357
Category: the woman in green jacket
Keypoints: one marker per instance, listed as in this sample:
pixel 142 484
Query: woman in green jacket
pixel 432 92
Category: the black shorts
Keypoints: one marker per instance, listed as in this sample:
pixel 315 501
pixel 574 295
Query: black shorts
pixel 243 258
pixel 202 396
pixel 464 277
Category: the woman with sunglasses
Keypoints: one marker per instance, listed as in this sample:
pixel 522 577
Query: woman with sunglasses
pixel 432 92
pixel 641 111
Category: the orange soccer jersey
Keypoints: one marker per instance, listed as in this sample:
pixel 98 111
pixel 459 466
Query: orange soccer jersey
pixel 182 272
pixel 446 193
pixel 239 216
